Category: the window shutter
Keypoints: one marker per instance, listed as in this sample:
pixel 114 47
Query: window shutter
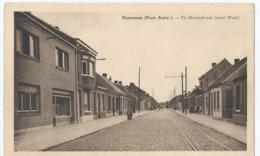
pixel 56 58
pixel 18 41
pixel 31 44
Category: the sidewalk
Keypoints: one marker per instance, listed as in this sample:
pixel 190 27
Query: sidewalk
pixel 42 139
pixel 230 129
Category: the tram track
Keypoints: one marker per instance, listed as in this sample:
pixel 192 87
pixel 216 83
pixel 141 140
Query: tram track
pixel 195 130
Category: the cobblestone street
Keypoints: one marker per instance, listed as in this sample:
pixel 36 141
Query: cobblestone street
pixel 155 131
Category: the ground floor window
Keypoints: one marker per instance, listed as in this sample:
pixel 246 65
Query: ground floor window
pixel 109 103
pixel 86 102
pixel 238 98
pixel 217 99
pixel 62 105
pixel 28 98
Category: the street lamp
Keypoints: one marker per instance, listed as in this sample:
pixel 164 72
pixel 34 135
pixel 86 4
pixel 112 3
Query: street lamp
pixel 101 59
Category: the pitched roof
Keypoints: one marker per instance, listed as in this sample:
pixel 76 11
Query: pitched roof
pixel 227 76
pixel 103 82
pixel 55 31
pixel 215 67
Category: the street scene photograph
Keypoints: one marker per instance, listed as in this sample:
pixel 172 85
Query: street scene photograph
pixel 133 79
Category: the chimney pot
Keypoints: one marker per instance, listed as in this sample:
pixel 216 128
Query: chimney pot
pixel 115 81
pixel 56 27
pixel 105 75
pixel 236 60
pixel 120 82
pixel 213 64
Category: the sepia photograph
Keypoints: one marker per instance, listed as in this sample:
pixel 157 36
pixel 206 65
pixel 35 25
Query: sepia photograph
pixel 130 78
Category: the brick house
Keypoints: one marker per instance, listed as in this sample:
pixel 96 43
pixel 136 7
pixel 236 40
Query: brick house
pixel 44 74
pixel 138 92
pixel 194 100
pixel 66 66
pixel 239 90
pixel 209 77
pixel 221 90
pixel 110 100
pixel 86 58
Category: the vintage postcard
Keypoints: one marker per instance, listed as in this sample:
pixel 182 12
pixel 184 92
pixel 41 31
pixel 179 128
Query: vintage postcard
pixel 138 78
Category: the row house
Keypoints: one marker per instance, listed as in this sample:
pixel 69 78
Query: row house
pixel 221 91
pixel 239 92
pixel 86 80
pixel 131 98
pixel 52 73
pixel 138 92
pixel 177 102
pixel 209 77
pixel 110 100
pixel 195 100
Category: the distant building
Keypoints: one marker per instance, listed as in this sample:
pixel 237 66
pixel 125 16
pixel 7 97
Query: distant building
pixel 141 97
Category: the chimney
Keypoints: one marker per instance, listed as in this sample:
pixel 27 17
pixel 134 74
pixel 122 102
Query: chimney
pixel 110 78
pixel 56 27
pixel 236 60
pixel 213 64
pixel 120 82
pixel 131 84
pixel 104 75
pixel 115 81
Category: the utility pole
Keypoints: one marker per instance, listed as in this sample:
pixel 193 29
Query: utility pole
pixel 186 91
pixel 182 92
pixel 139 100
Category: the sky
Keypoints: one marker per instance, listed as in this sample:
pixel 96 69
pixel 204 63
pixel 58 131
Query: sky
pixel 159 47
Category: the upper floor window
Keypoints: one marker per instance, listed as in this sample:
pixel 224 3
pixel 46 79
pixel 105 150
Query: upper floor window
pixel 26 43
pixel 28 98
pixel 62 59
pixel 88 66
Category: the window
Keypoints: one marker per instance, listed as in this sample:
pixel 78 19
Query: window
pixel 62 59
pixel 86 101
pixel 238 98
pixel 98 96
pixel 217 99
pixel 109 103
pixel 28 98
pixel 91 68
pixel 214 100
pixel 103 101
pixel 62 105
pixel 88 66
pixel 26 43
pixel 84 67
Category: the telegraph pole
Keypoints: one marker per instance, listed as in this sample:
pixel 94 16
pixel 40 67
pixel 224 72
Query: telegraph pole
pixel 186 92
pixel 139 101
pixel 182 92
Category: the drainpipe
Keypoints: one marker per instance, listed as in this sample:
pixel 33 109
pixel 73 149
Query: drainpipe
pixel 77 85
